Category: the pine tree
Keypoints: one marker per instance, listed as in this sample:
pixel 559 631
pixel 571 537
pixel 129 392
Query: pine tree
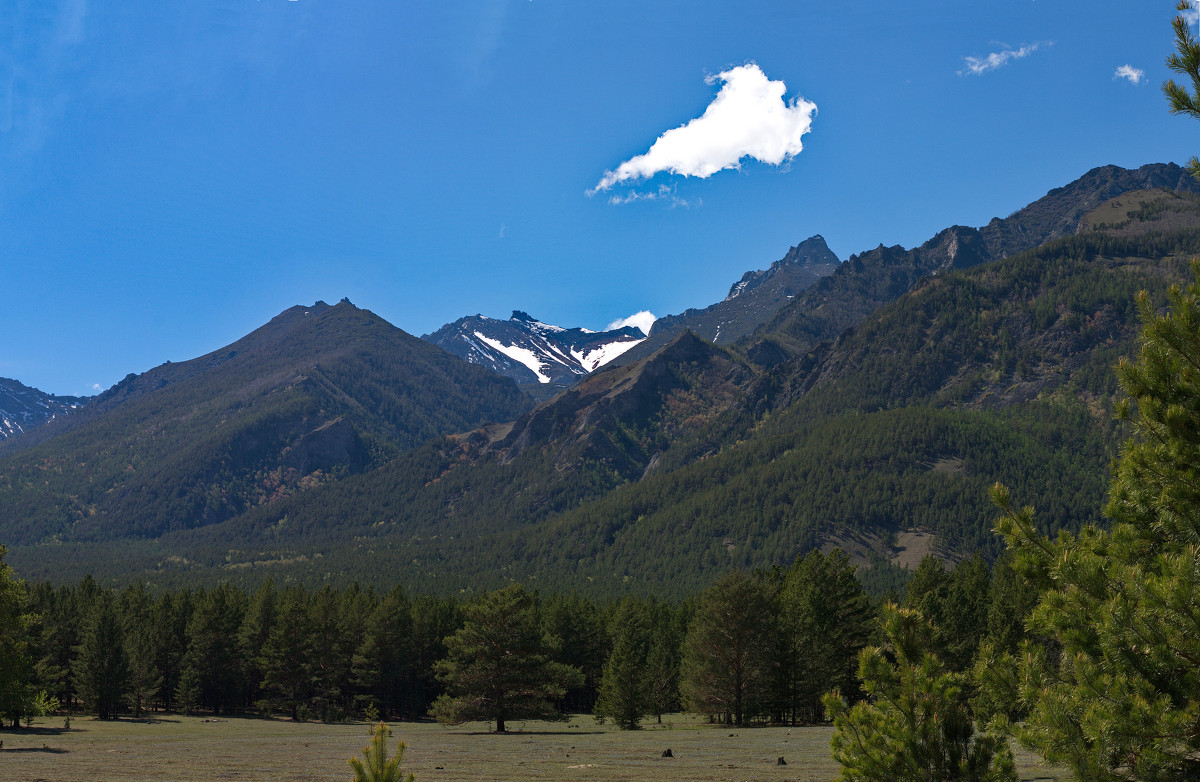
pixel 382 665
pixel 1186 62
pixel 497 666
pixel 1117 694
pixel 626 687
pixel 825 620
pixel 917 723
pixel 212 645
pixel 141 645
pixel 287 659
pixel 16 665
pixel 187 689
pixel 256 627
pixel 59 635
pixel 101 669
pixel 663 660
pixel 375 766
pixel 144 676
pixel 726 659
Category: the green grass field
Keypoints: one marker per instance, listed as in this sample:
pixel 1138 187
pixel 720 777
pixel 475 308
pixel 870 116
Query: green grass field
pixel 174 748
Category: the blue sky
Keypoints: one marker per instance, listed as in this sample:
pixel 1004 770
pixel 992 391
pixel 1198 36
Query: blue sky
pixel 172 175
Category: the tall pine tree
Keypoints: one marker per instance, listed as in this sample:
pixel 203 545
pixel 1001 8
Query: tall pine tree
pixel 626 687
pixel 1117 695
pixel 498 666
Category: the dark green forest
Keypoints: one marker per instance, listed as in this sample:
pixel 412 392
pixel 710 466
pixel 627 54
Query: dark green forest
pixel 336 654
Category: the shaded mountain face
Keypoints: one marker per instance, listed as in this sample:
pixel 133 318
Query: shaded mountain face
pixel 871 279
pixel 623 417
pixel 752 301
pixel 23 408
pixel 316 394
pixel 531 352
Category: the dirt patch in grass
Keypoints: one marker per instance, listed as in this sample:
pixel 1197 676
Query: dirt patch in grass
pixel 176 748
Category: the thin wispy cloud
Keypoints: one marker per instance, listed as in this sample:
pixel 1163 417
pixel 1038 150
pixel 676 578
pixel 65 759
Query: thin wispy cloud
pixel 749 118
pixel 977 66
pixel 667 194
pixel 1135 75
pixel 643 320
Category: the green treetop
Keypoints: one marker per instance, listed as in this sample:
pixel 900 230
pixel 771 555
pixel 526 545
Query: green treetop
pixel 497 666
pixel 918 723
pixel 375 766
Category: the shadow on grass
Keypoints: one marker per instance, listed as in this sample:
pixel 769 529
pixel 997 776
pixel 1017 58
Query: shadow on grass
pixel 36 730
pixel 531 733
pixel 47 750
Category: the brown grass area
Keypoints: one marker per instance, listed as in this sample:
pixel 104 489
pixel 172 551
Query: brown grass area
pixel 176 748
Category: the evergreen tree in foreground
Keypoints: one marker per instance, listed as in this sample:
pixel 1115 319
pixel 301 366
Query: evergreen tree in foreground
pixel 1185 62
pixel 377 767
pixel 918 724
pixel 497 667
pixel 1118 696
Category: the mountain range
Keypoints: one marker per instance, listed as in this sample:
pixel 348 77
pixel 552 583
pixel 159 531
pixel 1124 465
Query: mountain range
pixel 870 410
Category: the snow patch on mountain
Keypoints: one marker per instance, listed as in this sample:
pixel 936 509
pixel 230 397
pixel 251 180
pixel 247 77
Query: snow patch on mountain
pixel 593 360
pixel 522 355
pixel 531 351
pixel 23 408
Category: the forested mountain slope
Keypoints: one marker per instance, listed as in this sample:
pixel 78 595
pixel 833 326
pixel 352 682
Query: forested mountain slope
pixel 314 395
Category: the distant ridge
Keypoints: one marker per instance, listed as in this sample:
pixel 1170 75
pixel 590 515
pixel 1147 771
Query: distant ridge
pixel 871 279
pixel 752 300
pixel 23 409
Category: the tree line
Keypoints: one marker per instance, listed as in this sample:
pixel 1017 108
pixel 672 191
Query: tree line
pixel 760 646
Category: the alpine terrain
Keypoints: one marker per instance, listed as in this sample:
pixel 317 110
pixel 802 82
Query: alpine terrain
pixel 542 358
pixel 23 408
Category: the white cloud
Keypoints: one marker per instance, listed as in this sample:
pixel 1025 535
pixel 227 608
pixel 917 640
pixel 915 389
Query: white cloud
pixel 977 66
pixel 643 320
pixel 663 193
pixel 748 118
pixel 1134 75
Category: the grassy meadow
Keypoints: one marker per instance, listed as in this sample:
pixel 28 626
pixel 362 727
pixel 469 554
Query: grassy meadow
pixel 172 748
